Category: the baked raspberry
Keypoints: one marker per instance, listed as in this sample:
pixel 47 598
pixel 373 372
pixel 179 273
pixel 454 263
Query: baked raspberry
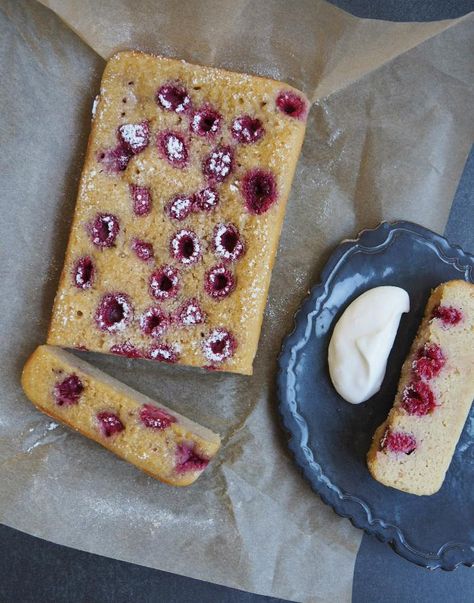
pixel 219 282
pixel 154 321
pixel 155 418
pixel 186 247
pixel 206 121
pixel 126 349
pixel 259 190
pixel 218 164
pixel 141 197
pixel 206 199
pixel 292 104
pixel 429 361
pixel 104 230
pixel 135 137
pixel 115 160
pixel 247 129
pixel 418 399
pixel 114 312
pixel 143 249
pixel 163 352
pixel 173 97
pixel 226 242
pixel 219 345
pixel 398 441
pixel 83 273
pixel 180 207
pixel 164 283
pixel 109 423
pixel 188 460
pixel 448 315
pixel 68 391
pixel 190 313
pixel 173 148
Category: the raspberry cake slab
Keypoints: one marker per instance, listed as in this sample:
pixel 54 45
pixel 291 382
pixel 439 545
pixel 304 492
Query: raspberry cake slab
pixel 413 448
pixel 154 438
pixel 179 212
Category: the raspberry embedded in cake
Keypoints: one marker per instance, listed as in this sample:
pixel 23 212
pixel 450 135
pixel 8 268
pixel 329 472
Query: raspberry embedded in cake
pixel 418 399
pixel 179 207
pixel 141 198
pixel 164 352
pixel 219 282
pixel 185 247
pixel 164 283
pixel 155 418
pixel 68 391
pixel 83 273
pixel 109 423
pixel 218 165
pixel 126 349
pixel 206 122
pixel 429 361
pixel 143 250
pixel 449 315
pixel 206 199
pixel 190 313
pixel 292 104
pixel 247 129
pixel 188 460
pixel 219 346
pixel 154 321
pixel 259 191
pixel 115 160
pixel 398 442
pixel 227 243
pixel 134 137
pixel 173 97
pixel 104 230
pixel 173 148
pixel 114 312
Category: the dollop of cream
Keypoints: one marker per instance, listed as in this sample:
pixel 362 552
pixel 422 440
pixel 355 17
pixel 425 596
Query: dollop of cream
pixel 362 340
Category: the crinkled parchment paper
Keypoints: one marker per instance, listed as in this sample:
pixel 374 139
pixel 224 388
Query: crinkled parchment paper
pixel 390 128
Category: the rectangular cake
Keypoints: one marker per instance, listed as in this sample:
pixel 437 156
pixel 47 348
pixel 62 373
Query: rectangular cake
pixel 149 435
pixel 413 448
pixel 179 212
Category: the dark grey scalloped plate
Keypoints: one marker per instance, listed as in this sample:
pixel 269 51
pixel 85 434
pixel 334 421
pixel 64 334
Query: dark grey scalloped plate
pixel 330 438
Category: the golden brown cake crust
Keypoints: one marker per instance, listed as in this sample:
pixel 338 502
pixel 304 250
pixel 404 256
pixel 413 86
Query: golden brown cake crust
pixel 156 451
pixel 413 448
pixel 128 96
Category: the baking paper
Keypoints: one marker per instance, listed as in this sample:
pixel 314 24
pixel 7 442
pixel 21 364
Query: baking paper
pixel 390 127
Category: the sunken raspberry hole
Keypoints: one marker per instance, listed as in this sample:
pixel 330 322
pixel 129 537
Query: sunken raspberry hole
pixel 291 104
pixel 114 312
pixel 185 247
pixel 188 460
pixel 227 243
pixel 398 441
pixel 154 322
pixel 418 399
pixel 259 190
pixel 68 391
pixel 83 273
pixel 164 283
pixel 448 315
pixel 104 230
pixel 206 122
pixel 219 282
pixel 219 345
pixel 109 423
pixel 155 418
pixel 246 129
pixel 173 97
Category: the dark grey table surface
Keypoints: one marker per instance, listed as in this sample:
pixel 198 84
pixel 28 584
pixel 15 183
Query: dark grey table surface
pixel 36 571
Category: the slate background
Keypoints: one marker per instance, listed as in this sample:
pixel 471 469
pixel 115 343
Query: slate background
pixel 35 571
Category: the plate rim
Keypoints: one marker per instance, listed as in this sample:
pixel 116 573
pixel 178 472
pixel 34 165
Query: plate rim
pixel 451 554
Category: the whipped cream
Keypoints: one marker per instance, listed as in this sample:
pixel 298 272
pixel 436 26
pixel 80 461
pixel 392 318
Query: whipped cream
pixel 362 340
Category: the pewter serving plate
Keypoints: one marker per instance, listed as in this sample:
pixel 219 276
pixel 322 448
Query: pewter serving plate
pixel 330 438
